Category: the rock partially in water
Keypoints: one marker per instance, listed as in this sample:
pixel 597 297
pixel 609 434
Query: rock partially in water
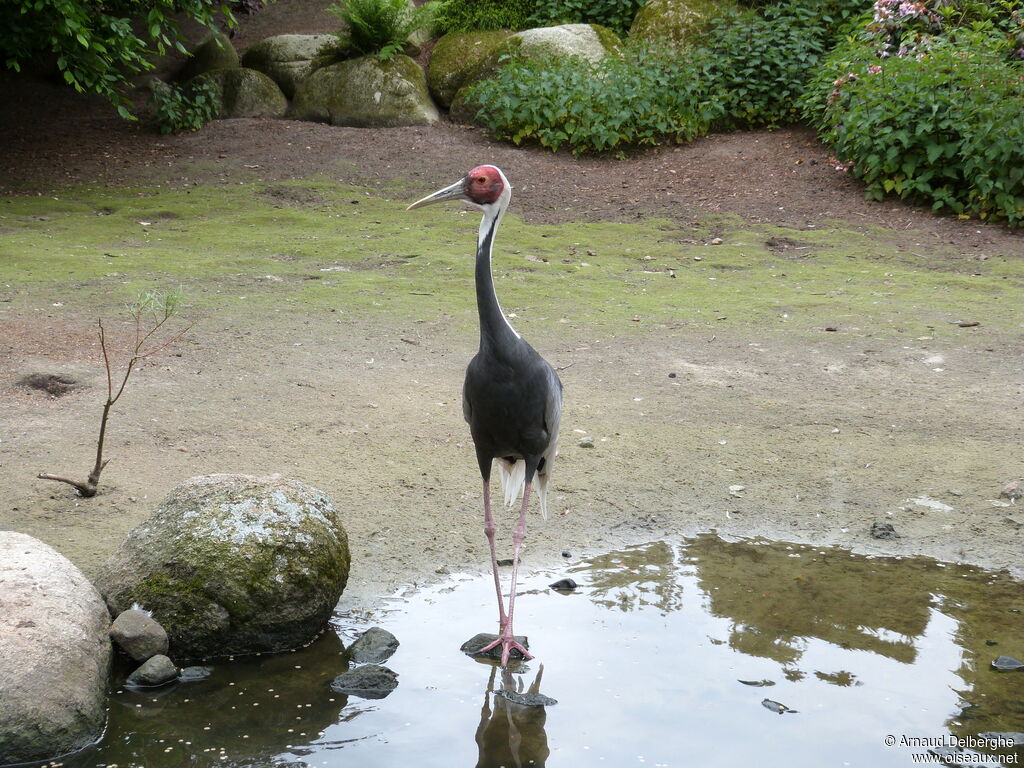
pixel 54 653
pixel 758 683
pixel 880 530
pixel 234 564
pixel 564 585
pixel 138 634
pixel 527 699
pixel 370 682
pixel 373 646
pixel 1007 664
pixel 158 670
pixel 777 707
pixel 475 644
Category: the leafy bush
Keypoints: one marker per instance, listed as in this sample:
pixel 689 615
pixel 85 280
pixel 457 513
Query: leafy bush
pixel 98 46
pixel 184 108
pixel 943 128
pixel 483 15
pixel 378 26
pixel 642 97
pixel 614 14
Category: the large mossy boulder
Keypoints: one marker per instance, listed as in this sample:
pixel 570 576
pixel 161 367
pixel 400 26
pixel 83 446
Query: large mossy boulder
pixel 366 93
pixel 588 41
pixel 233 564
pixel 455 58
pixel 215 51
pixel 679 22
pixel 54 653
pixel 245 93
pixel 287 59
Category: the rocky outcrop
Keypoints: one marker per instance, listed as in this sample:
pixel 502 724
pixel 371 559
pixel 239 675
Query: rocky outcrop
pixel 234 564
pixel 54 653
pixel 245 93
pixel 214 52
pixel 287 59
pixel 455 59
pixel 366 93
pixel 676 21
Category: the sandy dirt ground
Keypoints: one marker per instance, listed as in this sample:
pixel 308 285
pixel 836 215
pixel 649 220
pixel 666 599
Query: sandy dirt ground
pixel 802 438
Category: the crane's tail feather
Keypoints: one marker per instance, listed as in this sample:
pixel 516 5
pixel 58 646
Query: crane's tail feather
pixel 513 480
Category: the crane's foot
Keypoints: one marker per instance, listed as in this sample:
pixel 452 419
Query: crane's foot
pixel 508 644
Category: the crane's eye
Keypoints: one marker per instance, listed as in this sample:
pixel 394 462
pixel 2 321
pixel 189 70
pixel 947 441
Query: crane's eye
pixel 481 179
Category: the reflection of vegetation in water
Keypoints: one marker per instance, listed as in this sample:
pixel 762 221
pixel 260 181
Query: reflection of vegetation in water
pixel 778 598
pixel 636 577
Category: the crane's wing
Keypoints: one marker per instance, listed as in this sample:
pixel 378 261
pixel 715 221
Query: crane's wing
pixel 552 422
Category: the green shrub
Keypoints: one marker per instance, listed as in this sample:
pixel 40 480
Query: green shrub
pixel 481 15
pixel 944 128
pixel 184 108
pixel 640 98
pixel 378 26
pixel 614 14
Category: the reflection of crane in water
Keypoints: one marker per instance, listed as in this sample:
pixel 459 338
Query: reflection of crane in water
pixel 511 735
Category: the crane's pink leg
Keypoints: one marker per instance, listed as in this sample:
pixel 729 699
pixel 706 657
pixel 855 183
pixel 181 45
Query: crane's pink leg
pixel 489 533
pixel 507 638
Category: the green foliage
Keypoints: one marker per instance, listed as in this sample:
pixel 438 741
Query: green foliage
pixel 184 108
pixel 98 46
pixel 378 26
pixel 640 98
pixel 943 128
pixel 481 15
pixel 614 14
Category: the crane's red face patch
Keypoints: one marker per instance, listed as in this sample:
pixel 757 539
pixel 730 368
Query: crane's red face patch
pixel 483 184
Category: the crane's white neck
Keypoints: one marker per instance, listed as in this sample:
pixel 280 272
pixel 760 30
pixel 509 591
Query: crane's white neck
pixel 493 323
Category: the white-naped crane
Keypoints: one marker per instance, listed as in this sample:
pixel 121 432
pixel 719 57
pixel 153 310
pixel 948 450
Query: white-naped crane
pixel 512 397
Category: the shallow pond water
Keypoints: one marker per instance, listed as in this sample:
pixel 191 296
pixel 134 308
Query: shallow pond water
pixel 664 656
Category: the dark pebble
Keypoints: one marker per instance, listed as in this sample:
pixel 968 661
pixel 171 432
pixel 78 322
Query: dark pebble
pixel 527 699
pixel 472 646
pixel 373 646
pixel 672 375
pixel 566 553
pixel 883 531
pixel 1007 663
pixel 370 682
pixel 564 585
pixel 506 561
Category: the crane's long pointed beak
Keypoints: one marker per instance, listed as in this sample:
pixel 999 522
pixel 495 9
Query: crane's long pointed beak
pixel 454 192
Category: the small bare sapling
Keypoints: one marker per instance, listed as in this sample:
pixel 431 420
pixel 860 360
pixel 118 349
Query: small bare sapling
pixel 150 317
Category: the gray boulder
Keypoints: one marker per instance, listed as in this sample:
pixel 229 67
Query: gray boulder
pixel 234 564
pixel 245 93
pixel 370 682
pixel 138 634
pixel 366 93
pixel 455 58
pixel 676 21
pixel 54 653
pixel 373 646
pixel 214 52
pixel 287 59
pixel 159 670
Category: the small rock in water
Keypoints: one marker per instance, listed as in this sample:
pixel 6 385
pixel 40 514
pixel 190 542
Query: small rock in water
pixel 138 634
pixel 564 585
pixel 1007 664
pixel 527 699
pixel 883 531
pixel 158 670
pixel 507 561
pixel 1013 491
pixel 472 646
pixel 775 706
pixel 374 645
pixel 370 682
pixel 195 674
pixel 758 683
pixel 566 553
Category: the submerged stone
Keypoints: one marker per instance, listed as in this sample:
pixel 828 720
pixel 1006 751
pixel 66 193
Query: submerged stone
pixel 564 585
pixel 194 674
pixel 374 645
pixel 475 644
pixel 370 682
pixel 1007 663
pixel 158 670
pixel 883 531
pixel 527 699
